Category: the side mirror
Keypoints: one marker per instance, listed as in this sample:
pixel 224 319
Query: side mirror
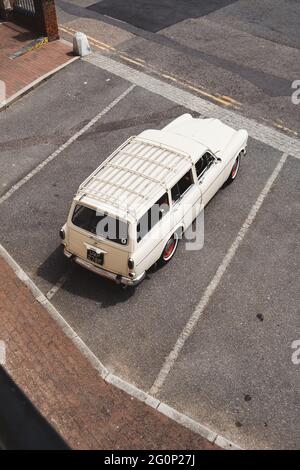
pixel 218 160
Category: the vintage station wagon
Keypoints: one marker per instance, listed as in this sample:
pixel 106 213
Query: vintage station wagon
pixel 131 211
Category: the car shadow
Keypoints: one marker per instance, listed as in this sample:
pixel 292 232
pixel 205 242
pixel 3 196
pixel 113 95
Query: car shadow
pixel 54 266
pixel 80 282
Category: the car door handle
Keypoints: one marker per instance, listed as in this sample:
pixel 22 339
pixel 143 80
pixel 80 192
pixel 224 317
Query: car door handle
pixel 176 206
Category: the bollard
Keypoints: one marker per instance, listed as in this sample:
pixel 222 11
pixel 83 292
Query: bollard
pixel 81 45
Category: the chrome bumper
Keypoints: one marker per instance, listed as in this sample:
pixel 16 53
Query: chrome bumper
pixel 117 278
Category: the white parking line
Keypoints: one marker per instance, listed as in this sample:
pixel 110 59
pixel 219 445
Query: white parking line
pixel 110 378
pixel 70 141
pixel 257 131
pixel 58 285
pixel 192 322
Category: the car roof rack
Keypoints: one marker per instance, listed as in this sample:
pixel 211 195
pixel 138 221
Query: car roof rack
pixel 155 166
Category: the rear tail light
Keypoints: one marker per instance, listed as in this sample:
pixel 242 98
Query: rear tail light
pixel 130 263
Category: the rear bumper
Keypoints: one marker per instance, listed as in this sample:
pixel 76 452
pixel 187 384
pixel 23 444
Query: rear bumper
pixel 117 278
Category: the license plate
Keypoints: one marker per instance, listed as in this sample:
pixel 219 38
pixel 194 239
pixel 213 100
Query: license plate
pixel 95 257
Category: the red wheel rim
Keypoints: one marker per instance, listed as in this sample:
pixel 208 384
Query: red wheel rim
pixel 169 249
pixel 235 168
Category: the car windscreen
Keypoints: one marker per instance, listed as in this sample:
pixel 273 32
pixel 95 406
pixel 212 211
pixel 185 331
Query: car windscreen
pixel 100 224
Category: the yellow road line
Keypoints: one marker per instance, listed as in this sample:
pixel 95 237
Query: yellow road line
pixel 286 129
pixel 215 98
pixel 231 100
pixel 169 77
pixel 93 41
pixel 202 90
pixel 131 60
pixel 72 31
pixel 224 100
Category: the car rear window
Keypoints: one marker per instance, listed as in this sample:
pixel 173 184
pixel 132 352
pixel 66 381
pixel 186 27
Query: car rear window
pixel 100 224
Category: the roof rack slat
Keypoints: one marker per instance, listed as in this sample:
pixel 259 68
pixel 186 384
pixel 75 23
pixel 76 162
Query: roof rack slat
pixel 89 178
pixel 119 186
pixel 175 151
pixel 145 159
pixel 109 199
pixel 137 173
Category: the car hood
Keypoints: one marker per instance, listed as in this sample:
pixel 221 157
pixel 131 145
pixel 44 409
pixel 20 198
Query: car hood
pixel 210 132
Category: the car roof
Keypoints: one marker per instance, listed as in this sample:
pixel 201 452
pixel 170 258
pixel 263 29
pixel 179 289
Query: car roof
pixel 139 172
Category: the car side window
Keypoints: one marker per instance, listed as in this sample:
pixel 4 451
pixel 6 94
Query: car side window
pixel 153 216
pixel 203 164
pixel 182 186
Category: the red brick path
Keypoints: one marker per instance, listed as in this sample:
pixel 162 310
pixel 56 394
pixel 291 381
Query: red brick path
pixel 58 379
pixel 20 72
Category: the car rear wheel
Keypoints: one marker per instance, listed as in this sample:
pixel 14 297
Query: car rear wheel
pixel 234 170
pixel 169 249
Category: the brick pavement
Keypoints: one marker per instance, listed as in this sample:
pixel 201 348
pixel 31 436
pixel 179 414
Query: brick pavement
pixel 88 412
pixel 29 67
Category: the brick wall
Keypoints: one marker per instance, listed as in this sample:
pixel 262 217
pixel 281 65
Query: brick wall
pixel 5 8
pixel 44 21
pixel 48 12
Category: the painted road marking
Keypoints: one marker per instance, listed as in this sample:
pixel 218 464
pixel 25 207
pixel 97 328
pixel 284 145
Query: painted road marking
pixel 58 285
pixel 110 378
pixel 71 31
pixel 208 95
pixel 198 312
pixel 70 141
pixel 285 129
pixel 260 132
pixel 225 100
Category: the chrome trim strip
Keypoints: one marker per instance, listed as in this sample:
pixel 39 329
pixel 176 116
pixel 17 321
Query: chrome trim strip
pixel 107 274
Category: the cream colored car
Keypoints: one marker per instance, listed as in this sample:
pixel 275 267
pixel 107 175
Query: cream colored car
pixel 131 211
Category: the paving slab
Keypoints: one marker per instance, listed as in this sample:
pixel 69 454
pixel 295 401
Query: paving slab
pixel 26 60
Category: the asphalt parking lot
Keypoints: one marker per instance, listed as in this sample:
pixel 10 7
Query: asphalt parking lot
pixel 248 51
pixel 235 373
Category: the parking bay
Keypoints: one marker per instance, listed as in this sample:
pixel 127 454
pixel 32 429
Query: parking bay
pixel 132 331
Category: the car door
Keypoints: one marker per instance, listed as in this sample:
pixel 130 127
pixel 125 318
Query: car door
pixel 208 170
pixel 186 199
pixel 151 232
